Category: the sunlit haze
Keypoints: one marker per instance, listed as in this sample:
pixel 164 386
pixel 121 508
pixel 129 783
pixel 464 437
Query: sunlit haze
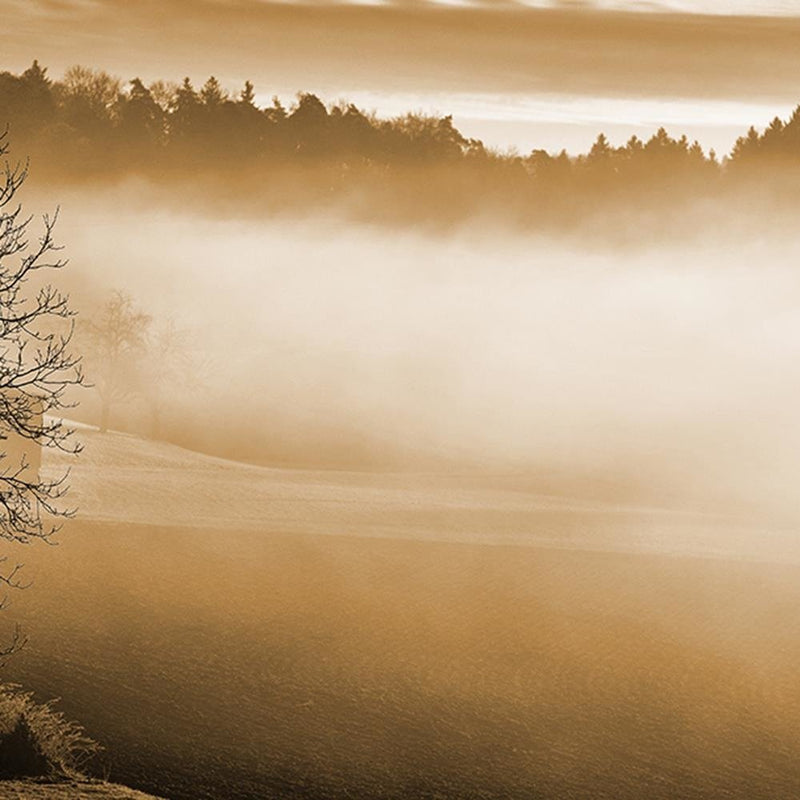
pixel 410 388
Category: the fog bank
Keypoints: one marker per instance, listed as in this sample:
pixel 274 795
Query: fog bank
pixel 672 371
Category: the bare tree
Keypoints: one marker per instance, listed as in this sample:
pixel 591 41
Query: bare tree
pixel 116 346
pixel 37 367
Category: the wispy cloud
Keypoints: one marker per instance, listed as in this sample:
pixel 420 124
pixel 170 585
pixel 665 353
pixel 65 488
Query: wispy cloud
pixel 574 109
pixel 728 8
pixel 425 47
pixel 756 8
pixel 555 121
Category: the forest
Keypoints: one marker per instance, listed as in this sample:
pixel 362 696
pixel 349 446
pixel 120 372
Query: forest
pixel 416 168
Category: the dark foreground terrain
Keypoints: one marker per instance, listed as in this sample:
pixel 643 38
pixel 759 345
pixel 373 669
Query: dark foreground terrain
pixel 295 659
pixel 325 667
pixel 68 790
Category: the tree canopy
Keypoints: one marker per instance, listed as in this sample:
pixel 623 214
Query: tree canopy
pixel 91 125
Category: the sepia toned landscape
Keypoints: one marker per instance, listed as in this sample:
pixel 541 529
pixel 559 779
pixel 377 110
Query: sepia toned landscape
pixel 398 400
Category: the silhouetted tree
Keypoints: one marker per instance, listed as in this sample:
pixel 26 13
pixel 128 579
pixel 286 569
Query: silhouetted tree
pixel 27 104
pixel 211 94
pixel 185 117
pixel 142 120
pixel 601 149
pixel 37 367
pixel 308 124
pixel 163 92
pixel 425 139
pixel 247 97
pixel 746 146
pixel 248 126
pixel 89 97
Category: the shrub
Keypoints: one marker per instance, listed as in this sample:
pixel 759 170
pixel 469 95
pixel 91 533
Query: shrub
pixel 36 740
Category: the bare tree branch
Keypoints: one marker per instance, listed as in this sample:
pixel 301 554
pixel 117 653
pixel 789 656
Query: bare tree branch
pixel 37 367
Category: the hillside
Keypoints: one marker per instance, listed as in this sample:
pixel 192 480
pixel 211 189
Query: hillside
pixel 227 630
pixel 120 478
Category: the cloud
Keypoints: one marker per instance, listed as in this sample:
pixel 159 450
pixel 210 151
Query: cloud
pixel 481 46
pixel 729 8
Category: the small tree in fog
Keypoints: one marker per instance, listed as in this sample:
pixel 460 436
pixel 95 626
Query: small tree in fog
pixel 37 367
pixel 116 346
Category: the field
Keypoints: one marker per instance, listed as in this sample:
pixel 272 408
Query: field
pixel 232 631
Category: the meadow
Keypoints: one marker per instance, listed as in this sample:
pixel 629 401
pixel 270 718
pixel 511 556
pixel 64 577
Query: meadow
pixel 287 658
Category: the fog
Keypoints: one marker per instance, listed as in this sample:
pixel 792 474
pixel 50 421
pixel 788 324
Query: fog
pixel 669 372
pixel 331 632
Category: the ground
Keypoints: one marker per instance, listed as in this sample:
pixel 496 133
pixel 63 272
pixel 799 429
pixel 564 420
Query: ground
pixel 68 790
pixel 125 479
pixel 227 630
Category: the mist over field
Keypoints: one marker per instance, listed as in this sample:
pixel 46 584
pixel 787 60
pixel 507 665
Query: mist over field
pixel 516 515
pixel 668 371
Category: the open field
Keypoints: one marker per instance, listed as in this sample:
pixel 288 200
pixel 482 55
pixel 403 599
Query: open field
pixel 125 479
pixel 296 660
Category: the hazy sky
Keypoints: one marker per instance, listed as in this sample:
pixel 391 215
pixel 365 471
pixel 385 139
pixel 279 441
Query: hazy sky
pixel 532 73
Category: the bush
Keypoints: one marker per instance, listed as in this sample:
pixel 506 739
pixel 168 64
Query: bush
pixel 36 741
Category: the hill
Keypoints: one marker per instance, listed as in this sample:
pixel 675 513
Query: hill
pixel 121 478
pixel 232 631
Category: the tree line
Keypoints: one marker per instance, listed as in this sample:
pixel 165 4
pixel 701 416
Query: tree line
pixel 136 124
pixel 90 125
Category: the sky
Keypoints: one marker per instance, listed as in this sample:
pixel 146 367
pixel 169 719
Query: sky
pixel 517 73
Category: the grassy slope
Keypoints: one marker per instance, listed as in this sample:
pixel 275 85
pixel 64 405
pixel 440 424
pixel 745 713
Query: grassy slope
pixel 234 646
pixel 121 478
